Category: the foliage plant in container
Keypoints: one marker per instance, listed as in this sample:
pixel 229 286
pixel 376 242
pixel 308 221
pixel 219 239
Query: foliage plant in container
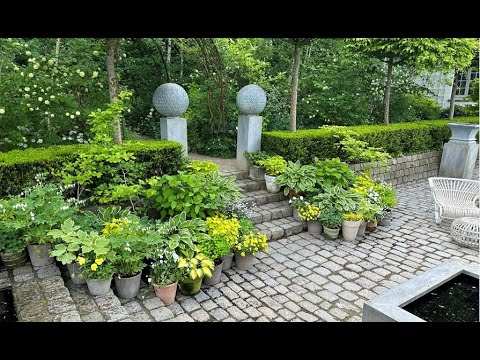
pixel 331 172
pixel 246 248
pixel 12 243
pixel 215 248
pixel 165 273
pixel 311 213
pixel 196 266
pixel 331 219
pixel 274 166
pixel 370 213
pixel 297 204
pixel 197 195
pixel 222 230
pixel 339 198
pixel 297 179
pixel 202 167
pixel 256 171
pixel 350 225
pixel 37 210
pixel 132 242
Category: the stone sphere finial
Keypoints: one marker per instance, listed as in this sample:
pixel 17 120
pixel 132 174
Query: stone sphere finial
pixel 251 99
pixel 170 100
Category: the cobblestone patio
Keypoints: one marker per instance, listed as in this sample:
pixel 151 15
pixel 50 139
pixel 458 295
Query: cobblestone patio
pixel 304 278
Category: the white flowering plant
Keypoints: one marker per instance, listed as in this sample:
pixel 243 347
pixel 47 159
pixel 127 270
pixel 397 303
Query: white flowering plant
pixel 164 269
pixel 298 202
pixel 37 210
pixel 240 209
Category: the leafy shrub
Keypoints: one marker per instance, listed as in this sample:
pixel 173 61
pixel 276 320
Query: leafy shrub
pixel 18 167
pixel 338 198
pixel 201 167
pixel 274 165
pixel 396 139
pixel 256 156
pixel 195 194
pixel 331 218
pixel 297 179
pixel 331 172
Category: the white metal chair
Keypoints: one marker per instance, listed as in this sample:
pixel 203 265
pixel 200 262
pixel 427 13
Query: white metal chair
pixel 454 198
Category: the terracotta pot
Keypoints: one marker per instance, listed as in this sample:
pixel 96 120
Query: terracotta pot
pixel 350 229
pixel 361 228
pixel 331 234
pixel 14 260
pixel 128 287
pixel 227 261
pixel 270 185
pixel 190 287
pixel 216 275
pixel 99 287
pixel 76 274
pixel 166 293
pixel 40 255
pixel 314 227
pixel 244 262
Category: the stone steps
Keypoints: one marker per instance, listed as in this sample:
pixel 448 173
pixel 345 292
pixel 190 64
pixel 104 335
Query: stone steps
pixel 281 228
pixel 262 197
pixel 239 174
pixel 272 211
pixel 248 185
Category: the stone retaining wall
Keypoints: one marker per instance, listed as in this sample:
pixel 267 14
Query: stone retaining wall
pixel 406 168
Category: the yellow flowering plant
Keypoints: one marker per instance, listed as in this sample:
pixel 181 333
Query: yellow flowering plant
pixel 220 227
pixel 196 266
pixel 309 212
pixel 252 243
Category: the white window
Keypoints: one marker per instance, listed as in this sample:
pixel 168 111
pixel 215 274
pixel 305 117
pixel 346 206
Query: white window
pixel 465 83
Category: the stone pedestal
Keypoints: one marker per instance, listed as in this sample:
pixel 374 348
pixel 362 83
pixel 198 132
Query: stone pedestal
pixel 249 137
pixel 460 152
pixel 175 129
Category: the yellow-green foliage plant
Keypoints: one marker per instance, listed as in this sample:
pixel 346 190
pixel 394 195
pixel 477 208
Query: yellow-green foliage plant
pixel 252 243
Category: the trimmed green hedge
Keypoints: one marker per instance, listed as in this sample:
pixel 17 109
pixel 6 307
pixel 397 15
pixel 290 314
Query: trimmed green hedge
pixel 18 167
pixel 397 139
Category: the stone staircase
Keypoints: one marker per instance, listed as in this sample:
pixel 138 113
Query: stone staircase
pixel 272 213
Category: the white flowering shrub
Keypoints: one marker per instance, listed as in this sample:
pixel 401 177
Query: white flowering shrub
pixel 43 102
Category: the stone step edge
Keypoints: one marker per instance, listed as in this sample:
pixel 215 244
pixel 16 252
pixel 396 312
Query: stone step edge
pixel 262 197
pixel 265 213
pixel 276 232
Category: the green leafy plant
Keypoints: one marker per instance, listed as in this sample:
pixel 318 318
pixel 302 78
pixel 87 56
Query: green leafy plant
pixel 274 165
pixel 369 211
pixel 201 167
pixel 164 269
pixel 196 265
pixel 352 217
pixel 331 218
pixel 195 194
pixel 298 203
pixel 252 243
pixel 71 238
pixel 11 239
pixel 331 172
pixel 339 198
pixel 220 227
pixel 246 227
pixel 358 151
pixel 297 178
pixel 255 157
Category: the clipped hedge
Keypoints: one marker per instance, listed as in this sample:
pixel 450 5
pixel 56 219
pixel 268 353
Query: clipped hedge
pixel 397 139
pixel 18 167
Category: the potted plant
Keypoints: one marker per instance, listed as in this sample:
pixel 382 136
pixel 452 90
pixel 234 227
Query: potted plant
pixel 214 248
pixel 331 219
pixel 165 274
pixel 274 166
pixel 350 225
pixel 12 249
pixel 246 248
pixel 224 232
pixel 371 213
pixel 310 213
pixel 297 204
pixel 132 242
pixel 297 179
pixel 256 171
pixel 38 210
pixel 388 200
pixel 195 265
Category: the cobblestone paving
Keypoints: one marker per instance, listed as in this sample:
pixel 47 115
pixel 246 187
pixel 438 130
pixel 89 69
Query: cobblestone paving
pixel 304 278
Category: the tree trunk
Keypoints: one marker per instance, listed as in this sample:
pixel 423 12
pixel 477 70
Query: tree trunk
pixel 452 96
pixel 293 102
pixel 169 55
pixel 388 89
pixel 57 50
pixel 112 45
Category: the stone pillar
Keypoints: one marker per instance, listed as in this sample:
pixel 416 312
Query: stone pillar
pixel 171 101
pixel 460 152
pixel 251 101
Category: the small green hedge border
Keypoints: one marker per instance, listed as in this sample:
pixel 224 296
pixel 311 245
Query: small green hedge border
pixel 396 139
pixel 18 167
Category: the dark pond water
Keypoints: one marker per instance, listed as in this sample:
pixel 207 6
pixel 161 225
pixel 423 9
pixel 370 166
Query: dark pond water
pixel 7 308
pixel 454 301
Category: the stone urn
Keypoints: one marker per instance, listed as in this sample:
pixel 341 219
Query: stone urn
pixel 270 184
pixel 244 262
pixel 99 287
pixel 314 227
pixel 128 287
pixel 227 261
pixel 40 254
pixel 216 274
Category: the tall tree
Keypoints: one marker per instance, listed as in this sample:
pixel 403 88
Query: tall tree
pixel 112 47
pixel 425 54
pixel 297 43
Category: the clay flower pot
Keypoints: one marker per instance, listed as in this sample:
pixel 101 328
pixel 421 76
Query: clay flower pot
pixel 166 293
